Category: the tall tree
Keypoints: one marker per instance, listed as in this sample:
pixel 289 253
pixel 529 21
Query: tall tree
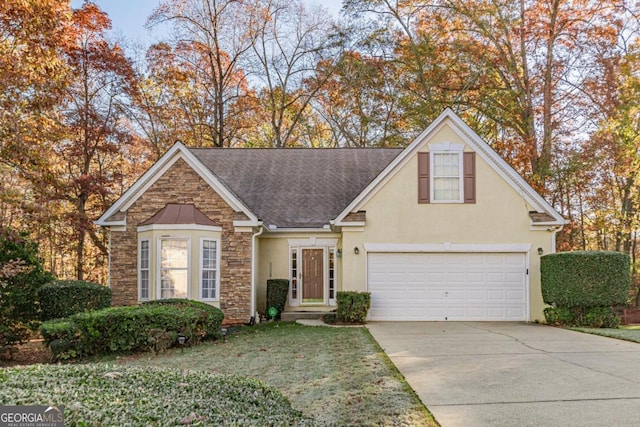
pixel 289 41
pixel 616 148
pixel 211 37
pixel 358 102
pixel 33 36
pixel 84 169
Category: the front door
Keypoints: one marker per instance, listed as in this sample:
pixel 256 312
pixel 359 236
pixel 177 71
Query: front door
pixel 312 276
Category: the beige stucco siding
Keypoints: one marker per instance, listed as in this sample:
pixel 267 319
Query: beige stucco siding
pixel 393 215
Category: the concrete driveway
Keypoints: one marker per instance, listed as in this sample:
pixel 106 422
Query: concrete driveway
pixel 515 374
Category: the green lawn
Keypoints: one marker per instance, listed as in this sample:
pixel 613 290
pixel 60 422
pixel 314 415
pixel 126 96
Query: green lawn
pixel 338 376
pixel 627 333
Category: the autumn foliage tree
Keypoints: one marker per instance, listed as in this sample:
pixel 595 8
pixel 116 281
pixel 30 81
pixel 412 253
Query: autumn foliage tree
pixel 84 162
pixel 33 73
pixel 210 39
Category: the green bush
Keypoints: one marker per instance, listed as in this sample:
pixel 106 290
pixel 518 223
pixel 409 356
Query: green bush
pixel 559 316
pixel 330 318
pixel 108 395
pixel 21 275
pixel 601 317
pixel 212 316
pixel 592 317
pixel 353 306
pixel 124 330
pixel 585 278
pixel 63 298
pixel 277 293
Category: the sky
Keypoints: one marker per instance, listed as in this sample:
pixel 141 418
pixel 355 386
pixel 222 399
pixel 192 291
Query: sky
pixel 129 16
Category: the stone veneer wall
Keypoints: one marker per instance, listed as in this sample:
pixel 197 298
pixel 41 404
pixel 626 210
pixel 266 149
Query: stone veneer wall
pixel 181 184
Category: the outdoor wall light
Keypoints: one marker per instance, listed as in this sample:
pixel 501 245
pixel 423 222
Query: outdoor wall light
pixel 356 250
pixel 540 251
pixel 339 253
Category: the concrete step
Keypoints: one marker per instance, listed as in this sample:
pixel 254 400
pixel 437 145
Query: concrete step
pixel 290 316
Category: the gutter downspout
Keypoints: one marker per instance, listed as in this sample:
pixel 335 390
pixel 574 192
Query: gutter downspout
pixel 253 272
pixel 555 231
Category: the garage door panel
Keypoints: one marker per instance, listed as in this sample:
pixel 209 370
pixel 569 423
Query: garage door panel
pixel 476 296
pixel 447 286
pixel 516 296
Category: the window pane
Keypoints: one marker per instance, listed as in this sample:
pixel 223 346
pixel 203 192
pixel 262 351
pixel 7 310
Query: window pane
pixel 438 165
pixel 446 177
pixel 173 284
pixel 144 284
pixel 209 254
pixel 173 254
pixel 209 284
pixel 208 271
pixel 144 254
pixel 144 269
pixel 454 164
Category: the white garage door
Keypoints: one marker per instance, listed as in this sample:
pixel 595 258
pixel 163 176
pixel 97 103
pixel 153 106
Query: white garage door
pixel 447 286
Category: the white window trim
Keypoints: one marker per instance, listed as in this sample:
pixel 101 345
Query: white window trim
pixel 432 176
pixel 171 227
pixel 201 267
pixel 159 264
pixel 140 298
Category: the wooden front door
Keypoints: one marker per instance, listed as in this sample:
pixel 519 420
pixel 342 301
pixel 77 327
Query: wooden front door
pixel 312 276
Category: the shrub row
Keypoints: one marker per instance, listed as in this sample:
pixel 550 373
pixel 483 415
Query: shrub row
pixel 152 327
pixel 592 317
pixel 211 316
pixel 64 298
pixel 108 395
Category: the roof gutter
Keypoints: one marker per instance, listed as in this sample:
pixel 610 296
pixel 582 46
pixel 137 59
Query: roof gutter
pixel 253 272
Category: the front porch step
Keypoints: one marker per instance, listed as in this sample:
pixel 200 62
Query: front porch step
pixel 292 316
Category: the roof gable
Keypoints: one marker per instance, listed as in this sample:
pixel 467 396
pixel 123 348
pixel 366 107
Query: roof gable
pixel 473 140
pixel 113 216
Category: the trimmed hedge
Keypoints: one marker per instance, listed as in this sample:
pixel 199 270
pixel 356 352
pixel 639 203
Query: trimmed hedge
pixel 127 329
pixel 64 298
pixel 585 278
pixel 353 306
pixel 107 395
pixel 277 293
pixel 212 316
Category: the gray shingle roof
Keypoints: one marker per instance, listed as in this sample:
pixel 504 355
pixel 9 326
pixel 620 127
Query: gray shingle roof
pixel 296 188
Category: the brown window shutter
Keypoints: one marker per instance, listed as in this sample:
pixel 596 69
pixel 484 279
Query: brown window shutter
pixel 469 177
pixel 423 177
